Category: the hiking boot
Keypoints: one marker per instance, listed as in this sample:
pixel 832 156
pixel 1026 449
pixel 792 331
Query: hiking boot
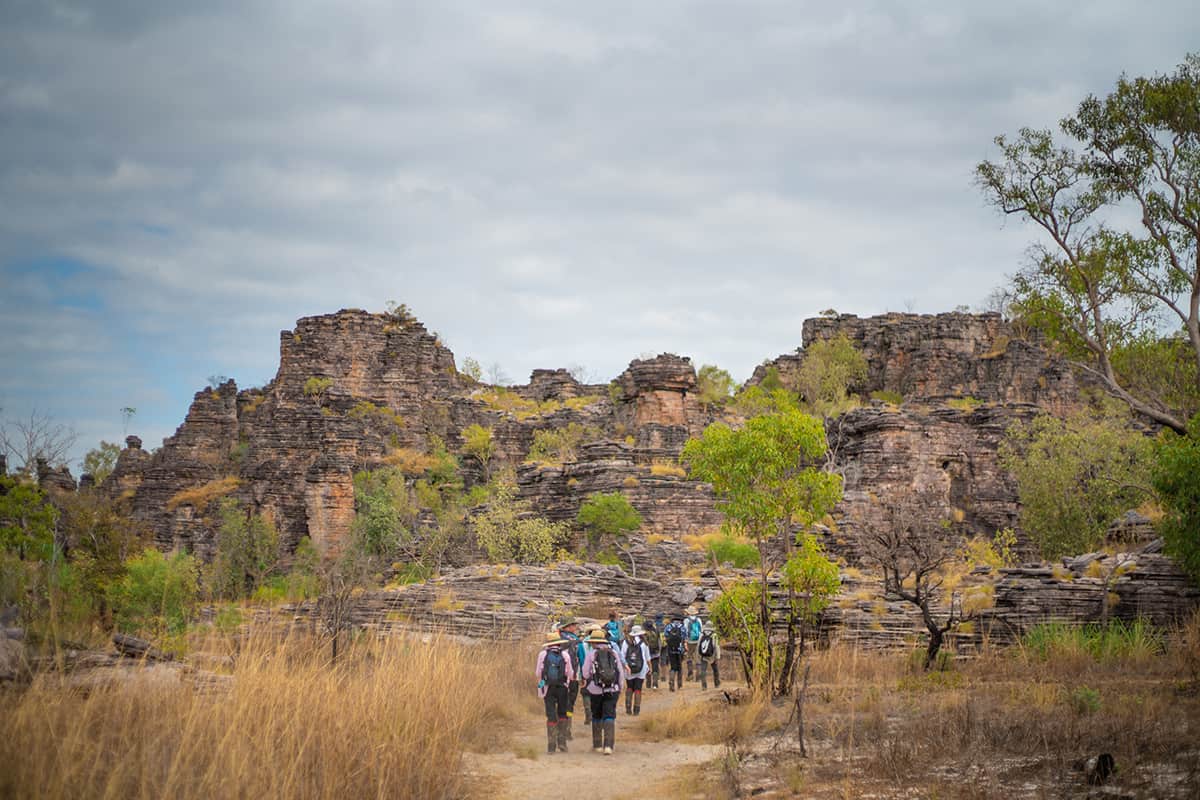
pixel 562 736
pixel 610 732
pixel 608 751
pixel 703 681
pixel 570 734
pixel 597 734
pixel 628 703
pixel 551 737
pixel 637 704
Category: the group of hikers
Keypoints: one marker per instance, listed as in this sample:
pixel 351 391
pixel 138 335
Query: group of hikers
pixel 603 661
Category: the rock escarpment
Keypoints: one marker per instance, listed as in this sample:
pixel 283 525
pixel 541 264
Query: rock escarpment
pixel 924 357
pixel 357 391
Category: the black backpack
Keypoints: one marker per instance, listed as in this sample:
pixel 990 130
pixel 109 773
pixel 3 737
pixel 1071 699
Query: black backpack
pixel 604 669
pixel 674 633
pixel 634 657
pixel 707 648
pixel 554 670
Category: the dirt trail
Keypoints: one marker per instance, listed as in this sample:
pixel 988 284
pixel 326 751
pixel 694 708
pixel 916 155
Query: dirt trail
pixel 635 765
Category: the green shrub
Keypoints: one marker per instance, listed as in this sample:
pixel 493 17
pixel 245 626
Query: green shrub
pixel 608 515
pixel 507 532
pixel 247 552
pixel 560 444
pixel 728 550
pixel 964 403
pixel 157 594
pixel 831 368
pixel 1075 476
pixel 1085 700
pixel 1176 478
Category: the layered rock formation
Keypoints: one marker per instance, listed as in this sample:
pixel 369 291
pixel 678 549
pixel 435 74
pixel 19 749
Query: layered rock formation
pixel 927 357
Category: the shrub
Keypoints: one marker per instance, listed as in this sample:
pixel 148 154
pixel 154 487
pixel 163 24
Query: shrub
pixel 247 552
pixel 157 594
pixel 316 388
pixel 1075 476
pixel 608 515
pixel 1176 478
pixel 1118 640
pixel 964 403
pixel 507 532
pixel 560 444
pixel 830 369
pixel 1085 700
pixel 714 385
pixel 737 551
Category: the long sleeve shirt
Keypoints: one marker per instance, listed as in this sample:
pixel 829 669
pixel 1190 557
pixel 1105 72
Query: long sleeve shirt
pixel 541 661
pixel 645 656
pixel 589 669
pixel 716 647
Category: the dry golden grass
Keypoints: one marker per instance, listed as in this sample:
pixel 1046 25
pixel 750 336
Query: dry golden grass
pixel 392 719
pixel 200 496
pixel 667 468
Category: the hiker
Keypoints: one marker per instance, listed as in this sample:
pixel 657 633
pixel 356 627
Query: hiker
pixel 674 635
pixel 654 643
pixel 603 681
pixel 569 629
pixel 612 629
pixel 709 650
pixel 554 673
pixel 693 626
pixel 636 655
pixel 585 649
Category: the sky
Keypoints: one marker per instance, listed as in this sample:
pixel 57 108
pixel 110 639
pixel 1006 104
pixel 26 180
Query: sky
pixel 544 184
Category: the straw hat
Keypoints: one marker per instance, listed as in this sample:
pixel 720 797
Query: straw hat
pixel 553 638
pixel 708 627
pixel 692 611
pixel 638 630
pixel 597 637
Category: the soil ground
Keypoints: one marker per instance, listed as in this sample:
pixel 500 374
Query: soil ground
pixel 637 765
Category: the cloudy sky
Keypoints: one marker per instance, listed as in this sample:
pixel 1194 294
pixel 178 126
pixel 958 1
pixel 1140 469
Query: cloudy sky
pixel 544 183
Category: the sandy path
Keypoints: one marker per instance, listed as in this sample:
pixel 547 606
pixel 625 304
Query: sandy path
pixel 635 765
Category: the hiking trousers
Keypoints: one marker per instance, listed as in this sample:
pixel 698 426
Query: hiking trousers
pixel 691 660
pixel 556 704
pixel 652 678
pixel 703 673
pixel 604 718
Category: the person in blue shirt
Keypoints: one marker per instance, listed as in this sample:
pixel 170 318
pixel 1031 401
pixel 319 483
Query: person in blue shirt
pixel 674 645
pixel 694 627
pixel 612 629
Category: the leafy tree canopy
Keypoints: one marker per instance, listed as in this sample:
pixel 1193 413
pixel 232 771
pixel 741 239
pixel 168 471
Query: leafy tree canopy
pixel 1177 481
pixel 1093 285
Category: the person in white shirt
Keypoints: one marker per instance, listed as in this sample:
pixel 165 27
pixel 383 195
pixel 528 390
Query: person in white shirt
pixel 636 655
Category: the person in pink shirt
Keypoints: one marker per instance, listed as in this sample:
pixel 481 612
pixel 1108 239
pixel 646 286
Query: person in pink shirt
pixel 554 672
pixel 603 675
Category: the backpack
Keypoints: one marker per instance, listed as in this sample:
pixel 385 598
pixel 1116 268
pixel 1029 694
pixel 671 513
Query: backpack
pixel 707 646
pixel 634 657
pixel 612 629
pixel 604 669
pixel 554 670
pixel 694 629
pixel 651 638
pixel 674 633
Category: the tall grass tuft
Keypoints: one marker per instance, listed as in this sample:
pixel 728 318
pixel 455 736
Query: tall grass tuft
pixel 392 719
pixel 1117 641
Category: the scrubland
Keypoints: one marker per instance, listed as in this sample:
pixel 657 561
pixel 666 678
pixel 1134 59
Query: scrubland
pixel 394 717
pixel 1008 722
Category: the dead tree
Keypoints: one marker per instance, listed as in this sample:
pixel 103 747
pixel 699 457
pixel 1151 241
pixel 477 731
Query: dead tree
pixel 913 548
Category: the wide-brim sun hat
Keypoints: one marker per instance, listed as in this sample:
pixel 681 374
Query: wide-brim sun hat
pixel 553 638
pixel 638 630
pixel 566 623
pixel 708 626
pixel 692 610
pixel 597 637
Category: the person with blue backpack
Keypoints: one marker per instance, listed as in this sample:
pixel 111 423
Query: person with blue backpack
pixel 554 673
pixel 674 637
pixel 694 628
pixel 603 678
pixel 569 629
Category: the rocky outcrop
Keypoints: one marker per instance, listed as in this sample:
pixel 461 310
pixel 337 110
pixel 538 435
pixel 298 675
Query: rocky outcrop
pixel 956 355
pixel 949 456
